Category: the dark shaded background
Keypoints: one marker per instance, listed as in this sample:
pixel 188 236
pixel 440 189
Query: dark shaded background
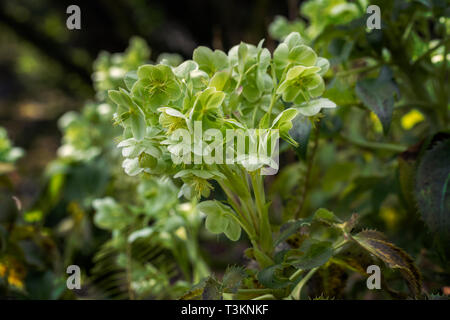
pixel 45 69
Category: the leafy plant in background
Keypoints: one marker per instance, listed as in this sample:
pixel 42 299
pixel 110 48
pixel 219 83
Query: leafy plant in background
pixel 84 189
pixel 154 241
pixel 392 124
pixel 8 153
pixel 319 14
pixel 11 267
pixel 24 248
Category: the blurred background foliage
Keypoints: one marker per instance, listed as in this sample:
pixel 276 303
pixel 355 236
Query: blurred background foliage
pixel 46 68
pixel 65 198
pixel 52 103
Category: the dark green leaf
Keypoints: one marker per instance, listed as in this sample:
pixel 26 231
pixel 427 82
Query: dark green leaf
pixel 378 95
pixel 433 189
pixel 271 277
pixel 290 228
pixel 315 254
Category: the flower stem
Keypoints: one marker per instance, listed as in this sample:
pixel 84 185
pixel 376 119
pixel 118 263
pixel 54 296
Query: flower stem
pixel 305 190
pixel 295 294
pixel 265 236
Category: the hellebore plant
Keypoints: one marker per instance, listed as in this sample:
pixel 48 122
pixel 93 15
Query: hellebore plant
pixel 243 90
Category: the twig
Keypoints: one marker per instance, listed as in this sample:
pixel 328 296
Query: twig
pixel 308 173
pixel 429 51
pixel 358 70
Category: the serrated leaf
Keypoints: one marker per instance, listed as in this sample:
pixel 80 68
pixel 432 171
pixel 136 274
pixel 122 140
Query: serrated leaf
pixel 437 296
pixel 207 289
pixel 233 278
pixel 394 257
pixel 432 189
pixel 212 289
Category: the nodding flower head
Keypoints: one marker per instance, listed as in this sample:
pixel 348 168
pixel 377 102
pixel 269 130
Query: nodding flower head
pixel 301 84
pixel 196 182
pixel 156 86
pixel 171 119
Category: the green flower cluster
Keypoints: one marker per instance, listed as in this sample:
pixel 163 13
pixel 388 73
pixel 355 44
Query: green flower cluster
pixel 247 88
pixel 84 132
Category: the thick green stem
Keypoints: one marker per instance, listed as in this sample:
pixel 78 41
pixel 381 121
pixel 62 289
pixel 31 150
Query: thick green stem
pixel 265 236
pixel 251 210
pixel 241 212
pixel 272 103
pixel 242 190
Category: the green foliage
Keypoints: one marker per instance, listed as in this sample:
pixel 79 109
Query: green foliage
pixel 432 188
pixel 378 95
pixel 110 215
pixel 316 253
pixel 399 74
pixel 243 89
pixel 156 86
pixel 8 153
pixel 27 251
pixel 211 288
pixel 153 236
pixel 313 254
pixel 235 90
pixel 149 240
pixel 250 88
pixel 319 14
pixel 220 218
pixel 396 258
pixel 363 117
